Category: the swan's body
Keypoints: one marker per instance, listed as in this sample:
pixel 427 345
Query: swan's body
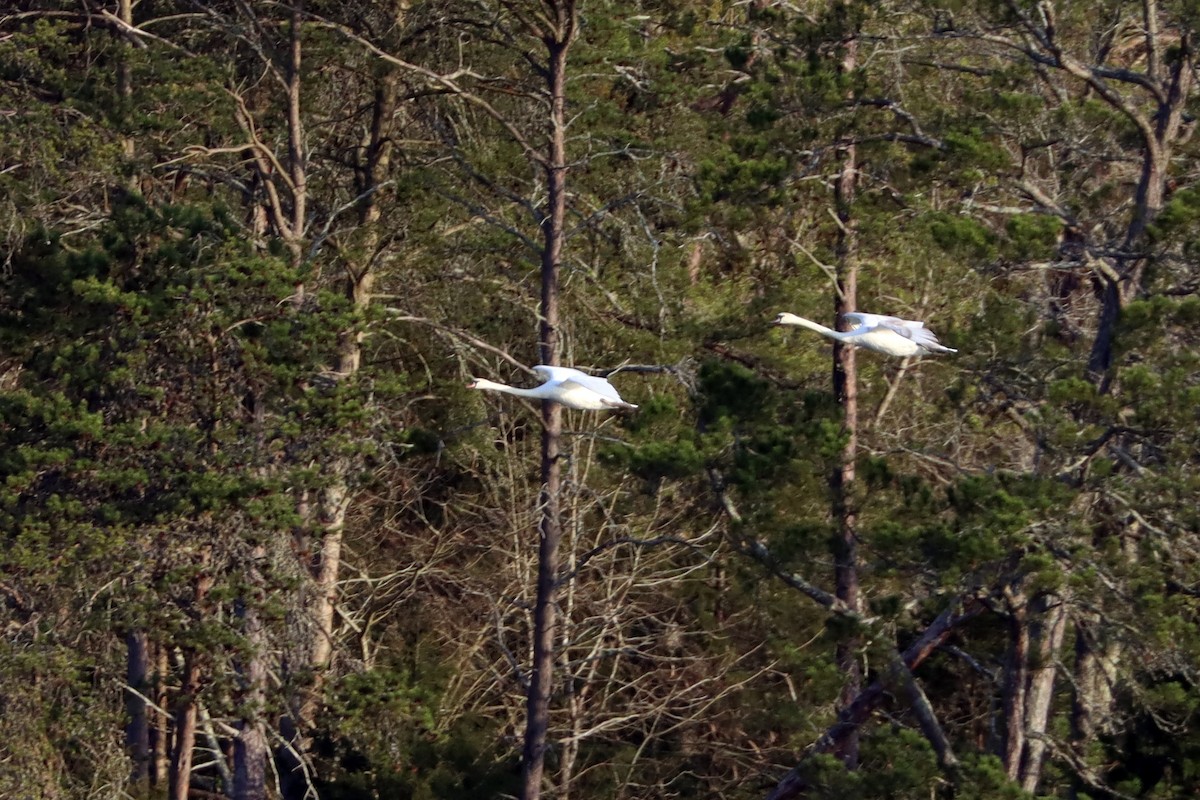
pixel 889 335
pixel 570 387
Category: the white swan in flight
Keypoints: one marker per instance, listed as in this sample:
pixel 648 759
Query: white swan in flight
pixel 570 387
pixel 889 335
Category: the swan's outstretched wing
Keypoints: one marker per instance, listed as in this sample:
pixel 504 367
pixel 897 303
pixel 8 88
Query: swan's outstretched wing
pixel 556 374
pixel 590 382
pixel 861 319
pixel 918 333
pixel 911 329
pixel 607 399
pixel 598 385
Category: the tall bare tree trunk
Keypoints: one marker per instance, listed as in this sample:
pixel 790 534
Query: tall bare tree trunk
pixel 1036 629
pixel 125 77
pixel 1121 281
pixel 297 153
pixel 1016 682
pixel 186 712
pixel 1094 674
pixel 845 389
pixel 333 501
pixel 541 681
pixel 137 662
pixel 137 731
pixel 1046 638
pixel 160 740
pixel 250 749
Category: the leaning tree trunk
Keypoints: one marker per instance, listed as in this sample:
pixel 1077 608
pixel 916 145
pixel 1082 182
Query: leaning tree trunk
pixel 1153 101
pixel 334 501
pixel 1097 659
pixel 541 681
pixel 797 781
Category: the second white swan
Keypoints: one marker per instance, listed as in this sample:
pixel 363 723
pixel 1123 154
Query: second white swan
pixel 570 387
pixel 889 335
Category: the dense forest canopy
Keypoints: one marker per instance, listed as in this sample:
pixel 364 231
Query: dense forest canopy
pixel 261 540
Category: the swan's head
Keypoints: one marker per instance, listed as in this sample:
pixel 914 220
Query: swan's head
pixel 786 319
pixel 473 383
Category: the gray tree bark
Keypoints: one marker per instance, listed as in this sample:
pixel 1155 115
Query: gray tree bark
pixel 250 750
pixel 845 389
pixel 541 681
pixel 137 730
pixel 1047 631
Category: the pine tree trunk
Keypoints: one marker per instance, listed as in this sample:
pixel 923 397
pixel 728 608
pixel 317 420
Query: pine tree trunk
pixel 333 501
pixel 1047 638
pixel 125 81
pixel 550 529
pixel 160 744
pixel 250 750
pixel 186 713
pixel 1161 133
pixel 845 388
pixel 1016 683
pixel 1094 674
pixel 137 731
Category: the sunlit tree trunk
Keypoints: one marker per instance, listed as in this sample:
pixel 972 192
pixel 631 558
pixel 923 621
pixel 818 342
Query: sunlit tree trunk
pixel 550 529
pixel 1094 674
pixel 845 388
pixel 1046 638
pixel 186 711
pixel 333 501
pixel 125 77
pixel 1036 628
pixel 1016 684
pixel 185 728
pixel 250 749
pixel 160 740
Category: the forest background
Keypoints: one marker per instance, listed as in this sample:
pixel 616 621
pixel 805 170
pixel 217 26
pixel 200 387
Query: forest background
pixel 259 539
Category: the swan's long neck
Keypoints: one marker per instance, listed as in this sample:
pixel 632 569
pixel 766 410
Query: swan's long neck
pixel 792 319
pixel 483 383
